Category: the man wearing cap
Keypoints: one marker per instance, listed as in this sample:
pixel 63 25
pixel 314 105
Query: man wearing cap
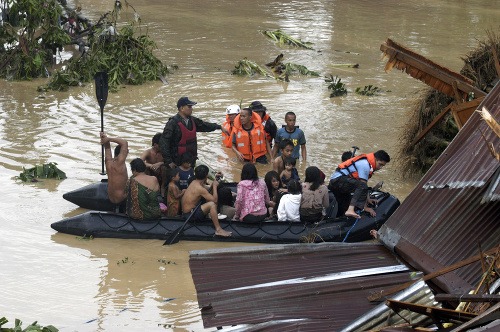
pixel 268 124
pixel 179 134
pixel 231 112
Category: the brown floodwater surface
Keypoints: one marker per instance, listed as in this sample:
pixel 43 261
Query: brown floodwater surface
pixel 135 285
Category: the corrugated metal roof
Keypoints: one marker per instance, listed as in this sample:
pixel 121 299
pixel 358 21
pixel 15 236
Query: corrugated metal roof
pixel 447 216
pixel 467 162
pixel 317 287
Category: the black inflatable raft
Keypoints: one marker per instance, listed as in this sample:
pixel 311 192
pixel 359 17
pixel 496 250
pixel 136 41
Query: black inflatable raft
pixel 118 225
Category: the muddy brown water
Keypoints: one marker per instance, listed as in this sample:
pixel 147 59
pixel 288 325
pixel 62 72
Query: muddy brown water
pixel 136 285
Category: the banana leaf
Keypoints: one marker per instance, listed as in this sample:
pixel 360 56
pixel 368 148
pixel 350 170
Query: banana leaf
pixel 247 67
pixel 282 38
pixel 44 171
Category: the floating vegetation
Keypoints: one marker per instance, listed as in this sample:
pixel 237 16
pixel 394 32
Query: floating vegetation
pixel 336 87
pixel 30 40
pixel 84 237
pixel 45 171
pixel 124 261
pixel 247 67
pixel 33 327
pixel 283 39
pixel 368 90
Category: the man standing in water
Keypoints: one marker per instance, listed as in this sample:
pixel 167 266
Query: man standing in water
pixel 179 134
pixel 115 167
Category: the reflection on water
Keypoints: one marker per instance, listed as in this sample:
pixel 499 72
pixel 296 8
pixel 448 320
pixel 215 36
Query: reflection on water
pixel 79 285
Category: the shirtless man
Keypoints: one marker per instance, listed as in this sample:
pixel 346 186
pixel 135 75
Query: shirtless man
pixel 154 162
pixel 195 192
pixel 116 168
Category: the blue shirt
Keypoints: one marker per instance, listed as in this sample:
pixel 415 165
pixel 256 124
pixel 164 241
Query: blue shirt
pixel 363 168
pixel 297 137
pixel 184 177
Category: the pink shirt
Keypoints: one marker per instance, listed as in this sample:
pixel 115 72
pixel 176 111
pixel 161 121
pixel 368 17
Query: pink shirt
pixel 251 198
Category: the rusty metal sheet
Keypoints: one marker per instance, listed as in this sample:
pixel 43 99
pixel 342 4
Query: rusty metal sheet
pixel 317 286
pixel 446 217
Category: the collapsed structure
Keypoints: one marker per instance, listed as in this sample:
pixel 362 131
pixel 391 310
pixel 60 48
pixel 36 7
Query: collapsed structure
pixel 438 262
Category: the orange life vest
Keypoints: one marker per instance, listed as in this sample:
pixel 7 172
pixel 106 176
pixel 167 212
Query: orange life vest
pixel 251 146
pixel 350 162
pixel 226 139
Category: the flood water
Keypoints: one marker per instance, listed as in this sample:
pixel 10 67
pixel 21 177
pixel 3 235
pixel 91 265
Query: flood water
pixel 136 285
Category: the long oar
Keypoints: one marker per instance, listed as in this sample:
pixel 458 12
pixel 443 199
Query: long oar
pixel 174 236
pixel 101 92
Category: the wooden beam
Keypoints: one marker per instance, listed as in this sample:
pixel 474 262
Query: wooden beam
pixel 467 261
pixel 437 314
pixel 432 124
pixel 467 297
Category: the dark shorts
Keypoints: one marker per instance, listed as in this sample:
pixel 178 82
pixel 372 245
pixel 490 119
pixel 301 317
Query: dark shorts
pixel 197 216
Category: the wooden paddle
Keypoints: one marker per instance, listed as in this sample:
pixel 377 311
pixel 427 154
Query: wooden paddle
pixel 174 236
pixel 101 92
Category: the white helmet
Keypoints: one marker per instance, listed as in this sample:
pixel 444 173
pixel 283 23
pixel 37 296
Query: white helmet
pixel 233 109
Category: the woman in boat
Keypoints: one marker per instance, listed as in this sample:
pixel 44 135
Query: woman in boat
pixel 142 193
pixel 315 198
pixel 252 196
pixel 275 189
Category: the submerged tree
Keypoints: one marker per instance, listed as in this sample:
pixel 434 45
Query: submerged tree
pixel 125 54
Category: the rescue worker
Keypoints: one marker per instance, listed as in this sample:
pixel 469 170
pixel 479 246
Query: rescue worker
pixel 231 112
pixel 249 139
pixel 179 134
pixel 269 126
pixel 351 178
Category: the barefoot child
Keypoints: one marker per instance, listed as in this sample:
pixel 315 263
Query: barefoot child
pixel 174 194
pixel 185 170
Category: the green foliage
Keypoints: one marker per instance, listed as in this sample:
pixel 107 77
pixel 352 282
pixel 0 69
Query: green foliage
pixel 126 55
pixel 126 59
pixel 283 39
pixel 32 33
pixel 33 327
pixel 45 171
pixel 368 90
pixel 247 67
pixel 336 87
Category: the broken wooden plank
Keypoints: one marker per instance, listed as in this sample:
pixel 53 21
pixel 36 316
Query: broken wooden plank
pixel 462 112
pixel 437 314
pixel 416 65
pixel 432 124
pixel 467 297
pixel 378 295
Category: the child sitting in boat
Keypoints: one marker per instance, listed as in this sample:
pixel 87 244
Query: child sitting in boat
pixel 275 189
pixel 288 209
pixel 286 149
pixel 174 194
pixel 290 172
pixel 185 170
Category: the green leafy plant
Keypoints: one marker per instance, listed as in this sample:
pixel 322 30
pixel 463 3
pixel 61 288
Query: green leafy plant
pixel 33 327
pixel 368 90
pixel 44 171
pixel 247 67
pixel 335 85
pixel 283 39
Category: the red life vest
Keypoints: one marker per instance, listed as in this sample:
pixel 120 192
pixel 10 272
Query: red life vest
pixel 350 162
pixel 226 139
pixel 188 139
pixel 251 146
